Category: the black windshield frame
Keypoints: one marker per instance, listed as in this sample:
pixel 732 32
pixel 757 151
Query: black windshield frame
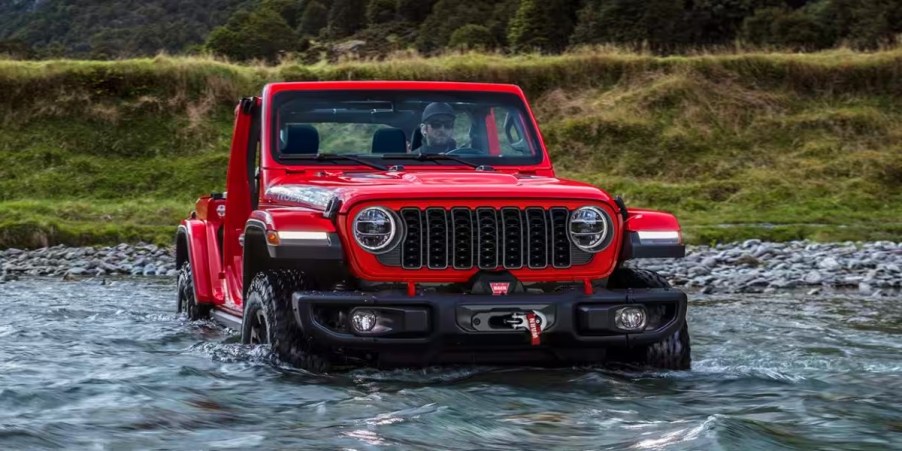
pixel 399 108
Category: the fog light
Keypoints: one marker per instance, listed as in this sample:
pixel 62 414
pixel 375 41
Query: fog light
pixel 630 318
pixel 363 320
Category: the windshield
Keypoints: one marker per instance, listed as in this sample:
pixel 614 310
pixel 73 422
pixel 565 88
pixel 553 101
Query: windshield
pixel 479 127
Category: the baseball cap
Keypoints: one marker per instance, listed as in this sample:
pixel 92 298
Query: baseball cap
pixel 437 109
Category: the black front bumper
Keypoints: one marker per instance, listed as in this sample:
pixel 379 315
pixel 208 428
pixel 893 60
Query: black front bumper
pixel 439 328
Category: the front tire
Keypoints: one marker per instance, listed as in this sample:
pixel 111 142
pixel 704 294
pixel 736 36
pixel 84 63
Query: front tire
pixel 186 301
pixel 269 319
pixel 672 353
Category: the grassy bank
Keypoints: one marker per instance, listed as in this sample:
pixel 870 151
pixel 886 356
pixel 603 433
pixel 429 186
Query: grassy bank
pixel 775 146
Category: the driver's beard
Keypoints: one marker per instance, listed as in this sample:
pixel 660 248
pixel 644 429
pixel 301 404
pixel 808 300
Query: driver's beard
pixel 438 142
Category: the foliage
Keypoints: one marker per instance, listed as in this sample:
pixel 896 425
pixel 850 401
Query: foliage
pixel 381 11
pixel 314 19
pixel 107 29
pixel 472 37
pixel 543 25
pixel 415 11
pixel 447 16
pixel 769 145
pixel 375 28
pixel 261 34
pixel 346 17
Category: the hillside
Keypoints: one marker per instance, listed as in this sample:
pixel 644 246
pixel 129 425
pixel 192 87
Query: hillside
pixel 774 146
pixel 333 30
pixel 110 29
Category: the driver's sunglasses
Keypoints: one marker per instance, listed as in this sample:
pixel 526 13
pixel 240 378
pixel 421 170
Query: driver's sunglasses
pixel 441 124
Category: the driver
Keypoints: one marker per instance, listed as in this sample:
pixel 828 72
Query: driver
pixel 437 125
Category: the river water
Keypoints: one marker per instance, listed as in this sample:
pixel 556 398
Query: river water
pixel 87 365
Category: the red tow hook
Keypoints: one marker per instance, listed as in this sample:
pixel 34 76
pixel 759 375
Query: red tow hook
pixel 411 289
pixel 587 287
pixel 534 328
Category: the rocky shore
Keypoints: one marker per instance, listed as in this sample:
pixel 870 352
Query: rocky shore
pixel 72 262
pixel 871 268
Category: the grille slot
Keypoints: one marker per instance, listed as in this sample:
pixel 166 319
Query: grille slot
pixel 412 246
pixel 560 241
pixel 512 232
pixel 486 238
pixel 462 223
pixel 437 238
pixel 537 237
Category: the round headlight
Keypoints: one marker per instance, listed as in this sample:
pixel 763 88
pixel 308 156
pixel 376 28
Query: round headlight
pixel 589 228
pixel 375 229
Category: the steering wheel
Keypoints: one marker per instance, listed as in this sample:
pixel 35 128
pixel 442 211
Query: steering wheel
pixel 464 151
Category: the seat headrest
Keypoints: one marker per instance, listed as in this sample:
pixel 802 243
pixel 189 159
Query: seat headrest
pixel 389 140
pixel 301 139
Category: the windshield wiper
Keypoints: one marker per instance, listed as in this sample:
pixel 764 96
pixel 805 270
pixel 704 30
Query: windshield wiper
pixel 332 157
pixel 435 157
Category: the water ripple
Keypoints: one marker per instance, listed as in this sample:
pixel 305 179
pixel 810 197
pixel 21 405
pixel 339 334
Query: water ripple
pixel 85 365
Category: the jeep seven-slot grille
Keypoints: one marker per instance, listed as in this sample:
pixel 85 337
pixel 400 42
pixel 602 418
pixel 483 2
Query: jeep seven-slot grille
pixel 486 238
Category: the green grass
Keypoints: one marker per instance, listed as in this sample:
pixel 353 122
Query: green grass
pixel 775 146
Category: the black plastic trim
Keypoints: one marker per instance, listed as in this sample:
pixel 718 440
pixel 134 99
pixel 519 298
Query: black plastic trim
pixel 567 330
pixel 310 250
pixel 633 247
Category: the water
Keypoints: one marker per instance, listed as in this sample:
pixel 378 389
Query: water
pixel 91 366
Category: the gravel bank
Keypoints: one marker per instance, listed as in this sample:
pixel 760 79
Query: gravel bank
pixel 69 262
pixel 872 268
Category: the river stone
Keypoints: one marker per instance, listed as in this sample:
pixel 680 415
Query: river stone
pixel 699 271
pixel 76 271
pixel 749 243
pixel 829 264
pixel 783 283
pixel 865 288
pixel 150 270
pixel 813 278
pixel 747 259
pixel 761 250
pixel 709 262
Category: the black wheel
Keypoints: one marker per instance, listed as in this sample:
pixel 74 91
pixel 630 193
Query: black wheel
pixel 186 301
pixel 672 353
pixel 268 319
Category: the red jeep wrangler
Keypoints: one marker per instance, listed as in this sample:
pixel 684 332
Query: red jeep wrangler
pixel 417 223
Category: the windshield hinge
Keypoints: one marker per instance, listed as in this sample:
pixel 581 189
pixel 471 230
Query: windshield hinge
pixel 485 168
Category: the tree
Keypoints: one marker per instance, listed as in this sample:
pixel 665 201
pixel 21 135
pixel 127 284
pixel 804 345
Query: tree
pixel 17 49
pixel 381 11
pixel 543 25
pixel 446 17
pixel 865 24
pixel 472 37
pixel 262 34
pixel 346 17
pixel 799 30
pixel 290 10
pixel 415 11
pixel 314 19
pixel 664 25
pixel 610 21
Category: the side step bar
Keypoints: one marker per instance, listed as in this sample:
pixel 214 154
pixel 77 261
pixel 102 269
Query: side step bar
pixel 226 319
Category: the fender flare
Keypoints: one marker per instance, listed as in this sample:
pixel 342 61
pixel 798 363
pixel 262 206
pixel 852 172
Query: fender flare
pixel 191 247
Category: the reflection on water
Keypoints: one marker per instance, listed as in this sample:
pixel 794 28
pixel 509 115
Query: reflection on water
pixel 110 366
